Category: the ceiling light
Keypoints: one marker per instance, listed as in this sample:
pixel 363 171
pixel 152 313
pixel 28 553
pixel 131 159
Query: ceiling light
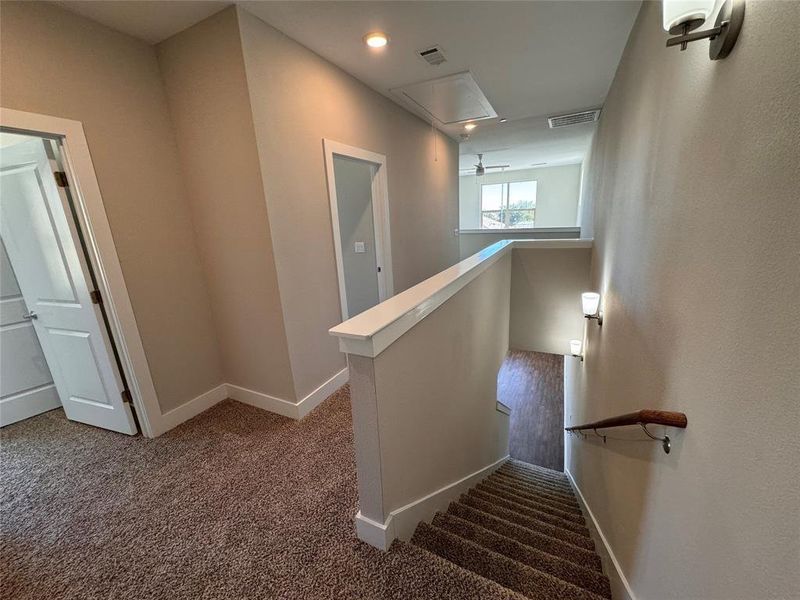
pixel 376 39
pixel 470 126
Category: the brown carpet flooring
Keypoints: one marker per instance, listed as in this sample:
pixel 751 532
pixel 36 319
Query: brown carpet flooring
pixel 237 503
pixel 532 385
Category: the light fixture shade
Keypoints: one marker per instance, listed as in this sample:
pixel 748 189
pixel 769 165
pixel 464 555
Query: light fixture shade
pixel 376 39
pixel 575 347
pixel 591 302
pixel 678 12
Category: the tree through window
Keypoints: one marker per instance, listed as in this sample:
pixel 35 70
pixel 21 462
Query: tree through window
pixel 508 205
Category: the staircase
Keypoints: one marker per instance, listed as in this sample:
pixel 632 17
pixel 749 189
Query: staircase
pixel 522 528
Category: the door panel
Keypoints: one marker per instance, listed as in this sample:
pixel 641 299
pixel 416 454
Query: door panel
pixel 26 387
pixel 43 245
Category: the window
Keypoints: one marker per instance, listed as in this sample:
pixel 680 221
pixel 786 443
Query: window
pixel 508 205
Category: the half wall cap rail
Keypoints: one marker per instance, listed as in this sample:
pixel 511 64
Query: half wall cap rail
pixel 643 418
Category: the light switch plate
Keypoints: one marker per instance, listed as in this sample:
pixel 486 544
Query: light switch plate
pixel 359 248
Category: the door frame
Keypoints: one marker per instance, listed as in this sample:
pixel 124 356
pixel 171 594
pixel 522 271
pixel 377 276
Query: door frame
pixel 380 217
pixel 93 222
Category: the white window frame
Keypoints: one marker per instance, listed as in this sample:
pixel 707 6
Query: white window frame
pixel 504 198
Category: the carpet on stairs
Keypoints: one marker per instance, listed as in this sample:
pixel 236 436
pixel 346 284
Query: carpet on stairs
pixel 521 528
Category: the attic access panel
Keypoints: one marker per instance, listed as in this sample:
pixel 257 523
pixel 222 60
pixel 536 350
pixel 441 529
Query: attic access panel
pixel 451 99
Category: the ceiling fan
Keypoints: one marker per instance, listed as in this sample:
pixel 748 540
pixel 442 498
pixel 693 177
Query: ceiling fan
pixel 480 169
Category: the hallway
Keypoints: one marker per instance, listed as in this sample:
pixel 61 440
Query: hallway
pixel 532 385
pixel 236 503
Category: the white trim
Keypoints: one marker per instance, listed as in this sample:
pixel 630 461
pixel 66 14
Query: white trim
pixel 286 408
pixel 380 217
pixel 609 552
pixel 522 230
pixel 293 410
pixel 193 407
pixel 263 401
pixel 379 535
pixel 402 522
pixel 103 256
pixel 28 403
pixel 315 398
pixel 372 331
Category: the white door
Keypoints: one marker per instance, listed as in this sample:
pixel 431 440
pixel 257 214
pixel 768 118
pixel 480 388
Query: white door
pixel 26 386
pixel 44 249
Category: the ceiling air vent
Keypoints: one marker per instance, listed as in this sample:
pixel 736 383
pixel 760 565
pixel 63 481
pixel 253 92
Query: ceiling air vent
pixel 433 56
pixel 586 116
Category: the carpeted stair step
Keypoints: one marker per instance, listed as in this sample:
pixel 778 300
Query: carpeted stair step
pixel 531 512
pixel 520 467
pixel 539 470
pixel 542 487
pixel 563 486
pixel 533 496
pixel 535 469
pixel 537 489
pixel 520 499
pixel 531 582
pixel 565 535
pixel 460 583
pixel 558 567
pixel 531 538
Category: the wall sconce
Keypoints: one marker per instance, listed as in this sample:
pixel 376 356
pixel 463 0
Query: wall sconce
pixel 576 349
pixel 591 306
pixel 683 16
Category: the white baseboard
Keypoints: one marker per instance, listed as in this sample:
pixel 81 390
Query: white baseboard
pixel 620 575
pixel 315 398
pixel 402 522
pixel 194 407
pixel 293 410
pixel 262 401
pixel 375 534
pixel 28 404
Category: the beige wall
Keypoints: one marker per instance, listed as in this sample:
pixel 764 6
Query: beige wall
pixel 557 192
pixel 203 71
pixel 56 63
pixel 428 400
pixel 546 287
pixel 298 99
pixel 694 176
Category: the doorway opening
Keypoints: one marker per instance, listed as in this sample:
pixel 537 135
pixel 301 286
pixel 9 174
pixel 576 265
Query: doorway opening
pixel 56 345
pixel 531 385
pixel 359 199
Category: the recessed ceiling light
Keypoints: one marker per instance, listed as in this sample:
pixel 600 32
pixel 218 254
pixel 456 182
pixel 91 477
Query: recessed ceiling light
pixel 503 120
pixel 376 39
pixel 470 126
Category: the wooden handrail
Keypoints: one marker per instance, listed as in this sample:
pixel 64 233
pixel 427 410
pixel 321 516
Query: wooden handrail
pixel 640 417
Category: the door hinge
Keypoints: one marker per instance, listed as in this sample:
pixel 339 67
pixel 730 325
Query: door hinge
pixel 126 396
pixel 96 297
pixel 61 178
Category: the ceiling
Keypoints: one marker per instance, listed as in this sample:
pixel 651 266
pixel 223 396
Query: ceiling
pixel 150 21
pixel 532 59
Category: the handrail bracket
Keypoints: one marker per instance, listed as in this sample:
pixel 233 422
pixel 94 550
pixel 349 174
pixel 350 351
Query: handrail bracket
pixel 665 443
